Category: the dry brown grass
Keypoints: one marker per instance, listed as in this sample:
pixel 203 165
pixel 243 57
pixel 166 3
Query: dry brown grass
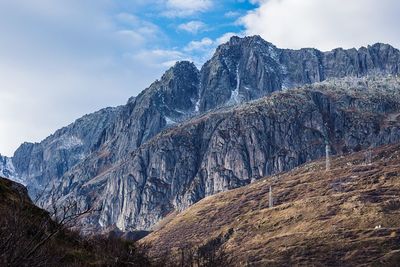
pixel 319 219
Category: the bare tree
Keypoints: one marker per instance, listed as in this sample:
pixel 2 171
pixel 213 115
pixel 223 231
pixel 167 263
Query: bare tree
pixel 24 232
pixel 208 255
pixel 27 232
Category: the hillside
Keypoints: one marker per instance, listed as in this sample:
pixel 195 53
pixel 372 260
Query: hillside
pixel 29 237
pixel 319 218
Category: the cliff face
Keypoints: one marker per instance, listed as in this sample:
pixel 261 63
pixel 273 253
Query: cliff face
pixel 232 147
pixel 38 164
pixel 96 152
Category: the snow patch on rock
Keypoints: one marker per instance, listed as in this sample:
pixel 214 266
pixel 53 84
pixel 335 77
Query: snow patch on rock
pixel 169 121
pixel 235 98
pixel 69 142
pixel 7 170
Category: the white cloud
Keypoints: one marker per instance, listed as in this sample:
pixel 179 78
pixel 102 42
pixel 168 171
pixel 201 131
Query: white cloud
pixel 137 33
pixel 204 44
pixel 142 26
pixel 184 8
pixel 131 36
pixel 232 14
pixel 195 5
pixel 158 58
pixel 325 24
pixel 207 44
pixel 193 26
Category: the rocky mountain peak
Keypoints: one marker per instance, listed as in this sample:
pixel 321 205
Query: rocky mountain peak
pixel 183 67
pixel 236 47
pixel 248 41
pixel 381 46
pixel 246 68
pixel 177 91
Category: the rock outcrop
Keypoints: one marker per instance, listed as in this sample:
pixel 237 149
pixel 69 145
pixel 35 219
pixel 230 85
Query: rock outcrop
pixel 7 168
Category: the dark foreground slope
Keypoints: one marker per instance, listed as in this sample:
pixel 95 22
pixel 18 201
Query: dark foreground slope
pixel 319 218
pixel 29 237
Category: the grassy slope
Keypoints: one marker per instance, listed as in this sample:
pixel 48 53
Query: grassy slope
pixel 320 218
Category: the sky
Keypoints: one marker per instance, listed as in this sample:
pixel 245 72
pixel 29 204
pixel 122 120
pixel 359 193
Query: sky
pixel 61 59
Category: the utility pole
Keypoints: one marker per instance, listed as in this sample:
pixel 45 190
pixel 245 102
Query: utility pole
pixel 327 157
pixel 327 148
pixel 368 157
pixel 271 201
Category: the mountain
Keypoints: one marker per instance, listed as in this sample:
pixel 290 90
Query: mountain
pixel 82 159
pixel 234 146
pixel 348 216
